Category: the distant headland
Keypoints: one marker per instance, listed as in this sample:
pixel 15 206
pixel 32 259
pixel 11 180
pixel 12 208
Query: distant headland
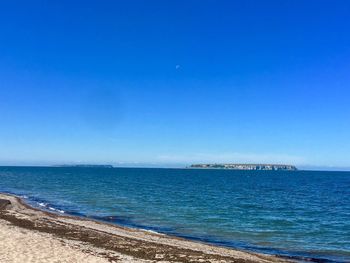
pixel 233 166
pixel 86 165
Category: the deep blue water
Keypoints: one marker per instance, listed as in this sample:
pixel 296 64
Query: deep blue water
pixel 303 214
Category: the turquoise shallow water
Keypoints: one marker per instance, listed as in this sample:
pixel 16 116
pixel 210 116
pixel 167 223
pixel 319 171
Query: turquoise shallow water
pixel 302 214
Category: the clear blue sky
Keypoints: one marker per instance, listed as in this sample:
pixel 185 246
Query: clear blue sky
pixel 173 82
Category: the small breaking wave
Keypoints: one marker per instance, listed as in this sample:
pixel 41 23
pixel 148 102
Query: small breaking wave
pixel 56 210
pixel 46 206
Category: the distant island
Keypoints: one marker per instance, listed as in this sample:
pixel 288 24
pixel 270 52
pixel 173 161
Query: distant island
pixel 86 165
pixel 255 167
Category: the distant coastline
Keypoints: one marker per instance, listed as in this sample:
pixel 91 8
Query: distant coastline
pixel 86 165
pixel 228 166
pixel 253 167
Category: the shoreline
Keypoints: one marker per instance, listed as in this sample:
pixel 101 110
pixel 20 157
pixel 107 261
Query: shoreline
pixel 119 243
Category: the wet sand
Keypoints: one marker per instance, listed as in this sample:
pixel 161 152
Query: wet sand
pixel 31 235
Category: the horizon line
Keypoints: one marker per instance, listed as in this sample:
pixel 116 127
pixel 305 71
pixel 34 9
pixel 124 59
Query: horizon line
pixel 178 166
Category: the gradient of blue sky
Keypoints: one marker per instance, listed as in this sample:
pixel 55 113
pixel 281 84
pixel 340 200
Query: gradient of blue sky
pixel 173 82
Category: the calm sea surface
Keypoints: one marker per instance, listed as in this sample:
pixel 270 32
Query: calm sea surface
pixel 302 213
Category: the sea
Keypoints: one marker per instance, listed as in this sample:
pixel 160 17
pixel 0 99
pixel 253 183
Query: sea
pixel 303 215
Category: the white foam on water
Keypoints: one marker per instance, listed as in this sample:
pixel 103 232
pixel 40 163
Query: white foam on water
pixel 56 210
pixel 45 205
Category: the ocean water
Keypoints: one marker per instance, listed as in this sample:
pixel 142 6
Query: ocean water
pixel 303 214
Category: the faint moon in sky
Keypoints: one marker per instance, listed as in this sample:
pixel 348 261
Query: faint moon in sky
pixel 177 67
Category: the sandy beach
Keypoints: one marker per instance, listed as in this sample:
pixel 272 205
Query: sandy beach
pixel 31 235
